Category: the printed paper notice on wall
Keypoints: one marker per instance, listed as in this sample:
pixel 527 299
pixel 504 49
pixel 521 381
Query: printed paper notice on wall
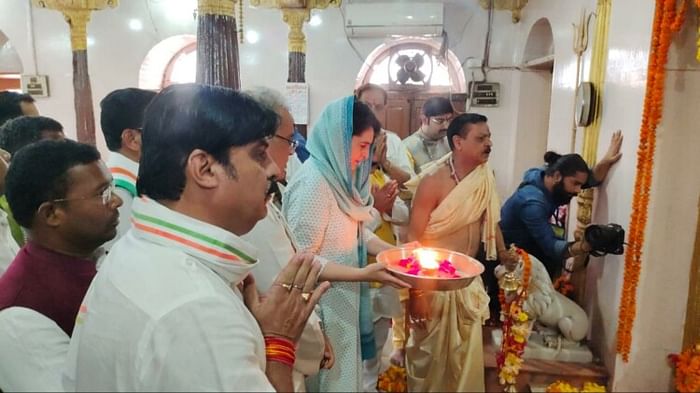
pixel 35 85
pixel 298 99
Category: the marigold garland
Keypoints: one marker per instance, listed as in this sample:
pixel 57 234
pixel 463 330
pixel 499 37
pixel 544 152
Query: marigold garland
pixel 563 285
pixel 687 365
pixel 667 20
pixel 516 328
pixel 393 380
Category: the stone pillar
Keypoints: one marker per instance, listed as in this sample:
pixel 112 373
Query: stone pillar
pixel 77 14
pixel 295 19
pixel 295 13
pixel 217 44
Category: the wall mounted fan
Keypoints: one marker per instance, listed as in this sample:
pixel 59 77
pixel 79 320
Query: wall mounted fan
pixel 409 68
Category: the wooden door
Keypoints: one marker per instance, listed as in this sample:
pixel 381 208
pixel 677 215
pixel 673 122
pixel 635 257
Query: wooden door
pixel 404 109
pixel 398 116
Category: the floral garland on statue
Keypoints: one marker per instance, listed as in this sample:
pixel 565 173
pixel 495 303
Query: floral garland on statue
pixel 516 328
pixel 687 365
pixel 667 20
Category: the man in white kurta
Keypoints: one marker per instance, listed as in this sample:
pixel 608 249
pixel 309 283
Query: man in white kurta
pixel 273 241
pixel 124 173
pixel 121 120
pixel 165 311
pixel 162 305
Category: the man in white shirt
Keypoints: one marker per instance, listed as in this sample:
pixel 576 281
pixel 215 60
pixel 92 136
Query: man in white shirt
pixel 275 244
pixel 121 119
pixel 173 307
pixel 395 160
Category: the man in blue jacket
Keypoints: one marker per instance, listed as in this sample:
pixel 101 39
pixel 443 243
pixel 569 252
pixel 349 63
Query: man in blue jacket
pixel 525 215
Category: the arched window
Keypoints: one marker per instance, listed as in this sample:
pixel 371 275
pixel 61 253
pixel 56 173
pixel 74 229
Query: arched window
pixel 10 65
pixel 173 60
pixel 413 64
pixel 183 66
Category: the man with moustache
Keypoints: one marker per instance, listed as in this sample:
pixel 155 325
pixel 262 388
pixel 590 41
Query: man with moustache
pixel 456 207
pixel 525 215
pixel 429 142
pixel 61 192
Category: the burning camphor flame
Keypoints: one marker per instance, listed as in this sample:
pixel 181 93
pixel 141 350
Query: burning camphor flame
pixel 428 259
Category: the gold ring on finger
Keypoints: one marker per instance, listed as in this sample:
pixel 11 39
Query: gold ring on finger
pixel 286 286
pixel 299 287
pixel 306 296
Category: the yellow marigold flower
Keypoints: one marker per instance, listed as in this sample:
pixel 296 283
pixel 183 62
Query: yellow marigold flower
pixel 561 386
pixel 521 330
pixel 512 360
pixel 592 387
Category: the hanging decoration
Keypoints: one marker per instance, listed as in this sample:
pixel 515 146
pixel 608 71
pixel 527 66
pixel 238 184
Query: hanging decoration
pixel 668 19
pixel 580 46
pixel 516 327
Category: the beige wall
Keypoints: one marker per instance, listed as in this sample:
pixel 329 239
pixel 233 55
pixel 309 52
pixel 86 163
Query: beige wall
pixel 673 215
pixel 663 288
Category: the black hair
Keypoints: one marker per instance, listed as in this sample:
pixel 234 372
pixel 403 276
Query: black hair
pixel 460 126
pixel 567 165
pixel 363 118
pixel 370 86
pixel 122 109
pixel 435 106
pixel 10 104
pixel 185 117
pixel 21 131
pixel 39 173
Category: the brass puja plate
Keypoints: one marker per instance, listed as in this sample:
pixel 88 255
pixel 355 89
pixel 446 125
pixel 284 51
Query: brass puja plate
pixel 466 267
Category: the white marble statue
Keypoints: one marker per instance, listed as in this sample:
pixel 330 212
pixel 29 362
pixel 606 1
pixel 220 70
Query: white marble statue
pixel 560 323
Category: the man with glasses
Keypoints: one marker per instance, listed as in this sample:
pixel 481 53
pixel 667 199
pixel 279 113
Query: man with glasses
pixel 392 156
pixel 429 142
pixel 121 120
pixel 61 193
pixel 276 245
pixel 173 307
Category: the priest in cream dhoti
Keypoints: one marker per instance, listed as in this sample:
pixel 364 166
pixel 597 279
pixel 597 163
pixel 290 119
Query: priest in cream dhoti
pixel 455 207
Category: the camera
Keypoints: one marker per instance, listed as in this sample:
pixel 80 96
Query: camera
pixel 605 239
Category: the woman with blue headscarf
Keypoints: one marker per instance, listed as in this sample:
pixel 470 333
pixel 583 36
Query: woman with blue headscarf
pixel 325 204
